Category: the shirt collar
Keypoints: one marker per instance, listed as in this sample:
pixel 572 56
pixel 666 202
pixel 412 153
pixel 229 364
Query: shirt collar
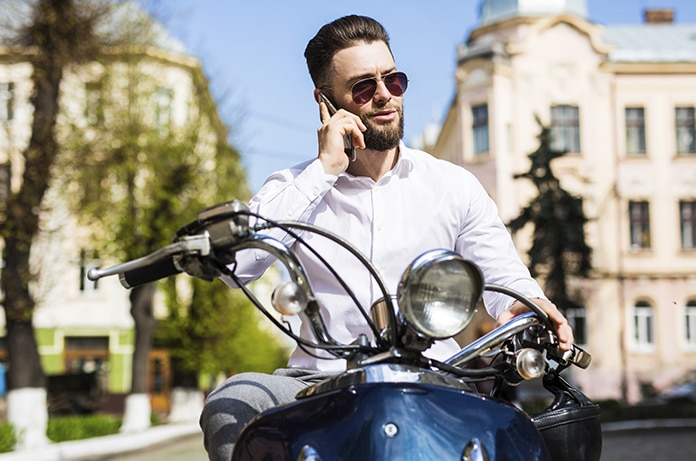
pixel 404 165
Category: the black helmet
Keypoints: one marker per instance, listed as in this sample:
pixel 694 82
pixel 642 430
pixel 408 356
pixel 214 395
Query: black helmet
pixel 570 424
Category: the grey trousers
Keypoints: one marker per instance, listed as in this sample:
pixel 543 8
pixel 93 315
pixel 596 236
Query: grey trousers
pixel 237 400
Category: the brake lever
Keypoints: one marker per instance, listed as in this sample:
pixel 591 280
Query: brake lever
pixel 541 337
pixel 576 356
pixel 191 245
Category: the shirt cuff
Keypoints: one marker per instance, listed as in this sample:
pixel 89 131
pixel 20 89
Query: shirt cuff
pixel 314 182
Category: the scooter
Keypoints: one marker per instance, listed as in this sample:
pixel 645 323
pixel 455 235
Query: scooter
pixel 392 402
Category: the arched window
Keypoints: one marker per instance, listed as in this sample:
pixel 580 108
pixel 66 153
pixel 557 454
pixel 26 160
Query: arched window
pixel 690 323
pixel 643 325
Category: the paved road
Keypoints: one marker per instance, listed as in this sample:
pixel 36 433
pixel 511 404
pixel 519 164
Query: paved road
pixel 188 448
pixel 669 444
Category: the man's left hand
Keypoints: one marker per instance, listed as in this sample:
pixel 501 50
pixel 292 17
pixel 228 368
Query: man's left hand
pixel 565 332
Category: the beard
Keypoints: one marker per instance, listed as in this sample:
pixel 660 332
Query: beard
pixel 383 137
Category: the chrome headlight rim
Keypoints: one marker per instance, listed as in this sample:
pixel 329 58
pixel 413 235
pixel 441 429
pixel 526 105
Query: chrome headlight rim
pixel 415 310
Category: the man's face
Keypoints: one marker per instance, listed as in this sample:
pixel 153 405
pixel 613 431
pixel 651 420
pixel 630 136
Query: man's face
pixel 383 113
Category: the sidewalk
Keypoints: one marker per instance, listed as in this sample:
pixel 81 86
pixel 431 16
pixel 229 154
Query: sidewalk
pixel 104 446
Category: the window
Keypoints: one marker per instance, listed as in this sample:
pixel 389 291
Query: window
pixel 6 101
pixel 687 217
pixel 5 172
pixel 94 103
pixel 686 130
pixel 690 323
pixel 480 128
pixel 86 354
pixel 643 330
pixel 88 260
pixel 578 321
pixel 635 130
pixel 639 223
pixel 565 128
pixel 163 109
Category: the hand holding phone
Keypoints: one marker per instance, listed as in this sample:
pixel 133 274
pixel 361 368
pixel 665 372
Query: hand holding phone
pixel 347 141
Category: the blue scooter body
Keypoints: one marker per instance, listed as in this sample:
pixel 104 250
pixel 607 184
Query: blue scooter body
pixel 391 421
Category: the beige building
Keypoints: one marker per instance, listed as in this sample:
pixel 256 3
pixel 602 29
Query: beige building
pixel 621 100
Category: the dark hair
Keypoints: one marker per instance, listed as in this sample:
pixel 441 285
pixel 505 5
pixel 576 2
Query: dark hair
pixel 337 35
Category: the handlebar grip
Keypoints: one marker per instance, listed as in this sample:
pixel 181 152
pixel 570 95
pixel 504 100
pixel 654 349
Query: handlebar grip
pixel 151 273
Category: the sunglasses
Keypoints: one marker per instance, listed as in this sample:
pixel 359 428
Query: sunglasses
pixel 363 90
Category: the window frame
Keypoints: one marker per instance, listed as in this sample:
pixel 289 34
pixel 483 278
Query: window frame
pixel 480 129
pixel 565 128
pixel 690 324
pixel 639 225
pixel 687 224
pixel 577 318
pixel 88 260
pixel 644 334
pixel 685 130
pixel 78 351
pixel 635 130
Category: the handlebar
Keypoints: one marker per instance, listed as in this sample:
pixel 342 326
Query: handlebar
pixel 205 247
pixel 576 355
pixel 215 229
pixel 157 265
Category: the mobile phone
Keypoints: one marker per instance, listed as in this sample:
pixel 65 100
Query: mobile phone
pixel 347 141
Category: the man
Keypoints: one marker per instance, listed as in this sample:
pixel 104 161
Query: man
pixel 392 202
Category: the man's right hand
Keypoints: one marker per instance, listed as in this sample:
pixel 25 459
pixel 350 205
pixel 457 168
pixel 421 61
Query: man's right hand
pixel 331 132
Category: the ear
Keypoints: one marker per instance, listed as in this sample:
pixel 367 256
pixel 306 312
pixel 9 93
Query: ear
pixel 316 94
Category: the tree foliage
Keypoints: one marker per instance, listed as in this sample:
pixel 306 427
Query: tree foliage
pixel 139 172
pixel 136 175
pixel 558 249
pixel 217 331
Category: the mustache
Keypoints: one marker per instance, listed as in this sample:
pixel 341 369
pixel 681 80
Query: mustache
pixel 378 110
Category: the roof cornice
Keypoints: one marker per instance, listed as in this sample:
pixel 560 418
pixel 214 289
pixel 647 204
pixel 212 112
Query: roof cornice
pixel 593 31
pixel 538 25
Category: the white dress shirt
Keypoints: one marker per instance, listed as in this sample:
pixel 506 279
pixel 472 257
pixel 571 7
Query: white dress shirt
pixel 423 203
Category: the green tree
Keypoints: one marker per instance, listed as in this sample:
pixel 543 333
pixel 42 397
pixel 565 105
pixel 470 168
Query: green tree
pixel 139 173
pixel 558 249
pixel 215 331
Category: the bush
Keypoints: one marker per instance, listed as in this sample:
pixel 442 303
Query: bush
pixel 64 428
pixel 8 437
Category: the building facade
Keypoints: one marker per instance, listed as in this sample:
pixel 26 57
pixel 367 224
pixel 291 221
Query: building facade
pixel 620 100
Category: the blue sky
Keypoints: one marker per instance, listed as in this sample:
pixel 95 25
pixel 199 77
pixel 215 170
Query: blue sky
pixel 252 51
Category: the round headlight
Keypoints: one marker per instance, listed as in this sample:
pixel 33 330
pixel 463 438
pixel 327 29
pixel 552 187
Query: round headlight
pixel 438 293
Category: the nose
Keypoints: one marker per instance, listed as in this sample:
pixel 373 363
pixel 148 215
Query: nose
pixel 382 94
